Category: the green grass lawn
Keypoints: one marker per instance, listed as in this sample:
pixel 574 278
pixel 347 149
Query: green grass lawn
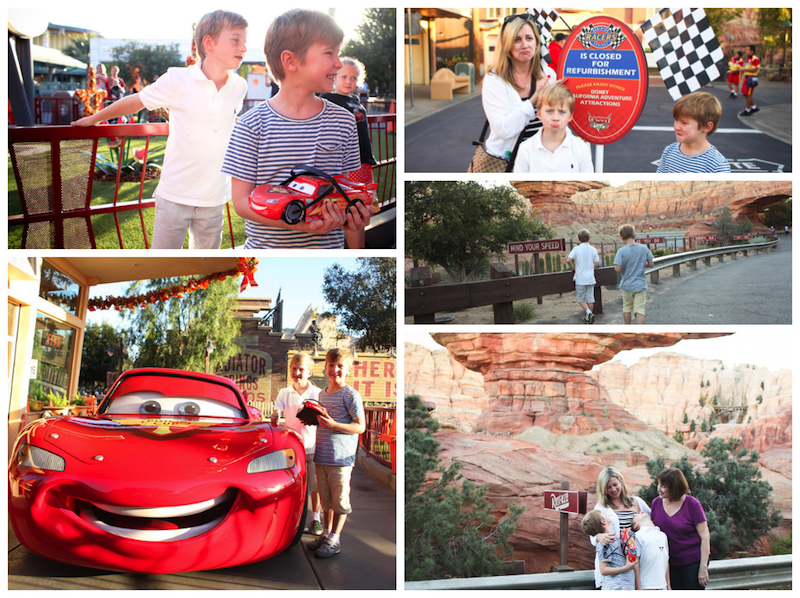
pixel 130 222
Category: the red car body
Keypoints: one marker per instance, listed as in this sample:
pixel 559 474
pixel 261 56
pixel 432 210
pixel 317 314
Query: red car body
pixel 300 197
pixel 198 486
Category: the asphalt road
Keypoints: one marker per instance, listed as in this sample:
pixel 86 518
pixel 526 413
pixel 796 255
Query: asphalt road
pixel 443 142
pixel 367 560
pixel 752 290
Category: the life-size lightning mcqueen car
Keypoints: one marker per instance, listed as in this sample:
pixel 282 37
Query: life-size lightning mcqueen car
pixel 172 474
pixel 300 197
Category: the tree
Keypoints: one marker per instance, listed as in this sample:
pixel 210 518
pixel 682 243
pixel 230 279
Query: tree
pixel 95 360
pixel 726 228
pixel 729 486
pixel 771 26
pixel 173 333
pixel 779 214
pixel 450 530
pixel 365 300
pixel 375 47
pixel 459 225
pixel 152 61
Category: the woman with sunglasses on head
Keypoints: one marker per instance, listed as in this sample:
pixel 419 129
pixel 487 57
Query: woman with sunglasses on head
pixel 512 86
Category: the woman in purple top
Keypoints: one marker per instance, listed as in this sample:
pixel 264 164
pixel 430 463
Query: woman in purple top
pixel 682 519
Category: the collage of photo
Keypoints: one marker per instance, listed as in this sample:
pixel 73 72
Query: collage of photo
pixel 218 379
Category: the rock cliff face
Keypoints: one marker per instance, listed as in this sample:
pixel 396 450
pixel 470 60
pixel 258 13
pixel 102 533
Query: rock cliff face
pixel 653 202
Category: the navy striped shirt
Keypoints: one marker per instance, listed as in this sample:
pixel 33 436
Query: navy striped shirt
pixel 672 160
pixel 265 146
pixel 337 448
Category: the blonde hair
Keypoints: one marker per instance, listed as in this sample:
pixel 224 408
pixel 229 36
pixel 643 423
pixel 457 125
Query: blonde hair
pixel 555 95
pixel 297 30
pixel 215 23
pixel 602 486
pixel 339 356
pixel 592 523
pixel 362 73
pixel 304 359
pixel 701 107
pixel 502 66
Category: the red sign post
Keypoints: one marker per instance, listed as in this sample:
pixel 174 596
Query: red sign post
pixel 564 501
pixel 606 70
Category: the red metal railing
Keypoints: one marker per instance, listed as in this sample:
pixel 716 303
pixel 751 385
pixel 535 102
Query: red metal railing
pixel 54 170
pixel 55 110
pixel 379 439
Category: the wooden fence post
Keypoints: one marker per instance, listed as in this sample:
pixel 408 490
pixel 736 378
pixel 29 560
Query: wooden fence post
pixel 421 277
pixel 503 312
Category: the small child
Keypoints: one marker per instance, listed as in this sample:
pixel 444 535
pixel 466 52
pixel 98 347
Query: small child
pixel 554 148
pixel 290 400
pixel 615 566
pixel 653 554
pixel 583 259
pixel 335 454
pixel 203 101
pixel 696 117
pixel 631 260
pixel 346 85
pixel 295 127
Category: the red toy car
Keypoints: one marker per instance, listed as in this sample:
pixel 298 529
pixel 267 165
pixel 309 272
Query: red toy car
pixel 172 474
pixel 300 197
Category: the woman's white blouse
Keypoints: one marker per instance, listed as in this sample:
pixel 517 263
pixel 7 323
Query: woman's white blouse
pixel 506 112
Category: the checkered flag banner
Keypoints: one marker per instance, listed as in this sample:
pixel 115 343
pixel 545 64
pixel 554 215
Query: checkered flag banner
pixel 617 36
pixel 686 50
pixel 544 19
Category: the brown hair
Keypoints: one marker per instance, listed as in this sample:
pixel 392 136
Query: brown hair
pixel 297 30
pixel 555 95
pixel 215 23
pixel 701 107
pixel 583 235
pixel 626 231
pixel 593 523
pixel 339 356
pixel 674 481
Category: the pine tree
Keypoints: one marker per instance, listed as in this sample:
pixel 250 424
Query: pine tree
pixel 449 527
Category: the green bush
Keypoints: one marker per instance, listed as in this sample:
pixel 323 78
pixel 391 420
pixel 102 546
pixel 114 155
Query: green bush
pixel 524 311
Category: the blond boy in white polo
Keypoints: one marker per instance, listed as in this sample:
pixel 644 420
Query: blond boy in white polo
pixel 203 101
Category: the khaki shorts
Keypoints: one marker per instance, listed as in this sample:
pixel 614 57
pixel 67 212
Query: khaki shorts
pixel 633 302
pixel 174 219
pixel 334 487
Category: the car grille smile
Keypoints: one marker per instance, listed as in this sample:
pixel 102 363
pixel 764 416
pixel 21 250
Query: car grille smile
pixel 157 524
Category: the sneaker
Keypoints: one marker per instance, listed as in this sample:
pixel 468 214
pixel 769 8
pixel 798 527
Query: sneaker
pixel 316 543
pixel 754 109
pixel 747 112
pixel 590 318
pixel 328 549
pixel 585 318
pixel 733 94
pixel 316 528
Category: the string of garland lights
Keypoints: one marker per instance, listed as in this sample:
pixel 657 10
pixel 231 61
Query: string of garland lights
pixel 245 268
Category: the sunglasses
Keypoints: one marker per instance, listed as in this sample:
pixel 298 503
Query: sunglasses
pixel 525 16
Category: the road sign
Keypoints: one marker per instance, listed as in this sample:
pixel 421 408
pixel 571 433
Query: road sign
pixel 650 240
pixel 606 71
pixel 744 236
pixel 706 238
pixel 537 246
pixel 565 501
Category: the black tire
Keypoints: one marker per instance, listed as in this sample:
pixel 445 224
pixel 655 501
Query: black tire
pixel 302 525
pixel 294 212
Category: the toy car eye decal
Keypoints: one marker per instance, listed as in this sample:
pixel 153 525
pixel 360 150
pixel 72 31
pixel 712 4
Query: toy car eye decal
pixel 302 187
pixel 150 408
pixel 189 408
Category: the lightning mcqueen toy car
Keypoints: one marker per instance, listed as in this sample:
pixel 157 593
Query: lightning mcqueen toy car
pixel 300 197
pixel 171 475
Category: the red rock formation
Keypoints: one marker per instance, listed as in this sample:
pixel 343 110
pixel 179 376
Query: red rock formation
pixel 538 379
pixel 665 202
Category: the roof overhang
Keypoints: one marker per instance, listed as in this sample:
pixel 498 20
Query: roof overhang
pixel 106 270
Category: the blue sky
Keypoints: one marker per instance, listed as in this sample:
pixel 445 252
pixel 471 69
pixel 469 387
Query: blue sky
pixel 299 278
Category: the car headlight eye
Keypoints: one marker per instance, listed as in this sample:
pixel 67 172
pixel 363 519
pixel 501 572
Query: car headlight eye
pixel 150 408
pixel 276 461
pixel 33 456
pixel 189 408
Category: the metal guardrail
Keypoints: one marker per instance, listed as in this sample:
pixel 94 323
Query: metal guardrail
pixel 676 259
pixel 734 574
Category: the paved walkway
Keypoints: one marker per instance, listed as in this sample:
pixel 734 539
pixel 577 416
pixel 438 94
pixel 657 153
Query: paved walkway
pixel 367 561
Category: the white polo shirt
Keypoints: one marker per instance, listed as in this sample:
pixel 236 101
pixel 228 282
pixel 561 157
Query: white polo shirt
pixel 572 156
pixel 653 558
pixel 201 119
pixel 290 402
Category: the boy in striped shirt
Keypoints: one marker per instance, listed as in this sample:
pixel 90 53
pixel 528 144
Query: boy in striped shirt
pixel 296 127
pixel 335 453
pixel 696 117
